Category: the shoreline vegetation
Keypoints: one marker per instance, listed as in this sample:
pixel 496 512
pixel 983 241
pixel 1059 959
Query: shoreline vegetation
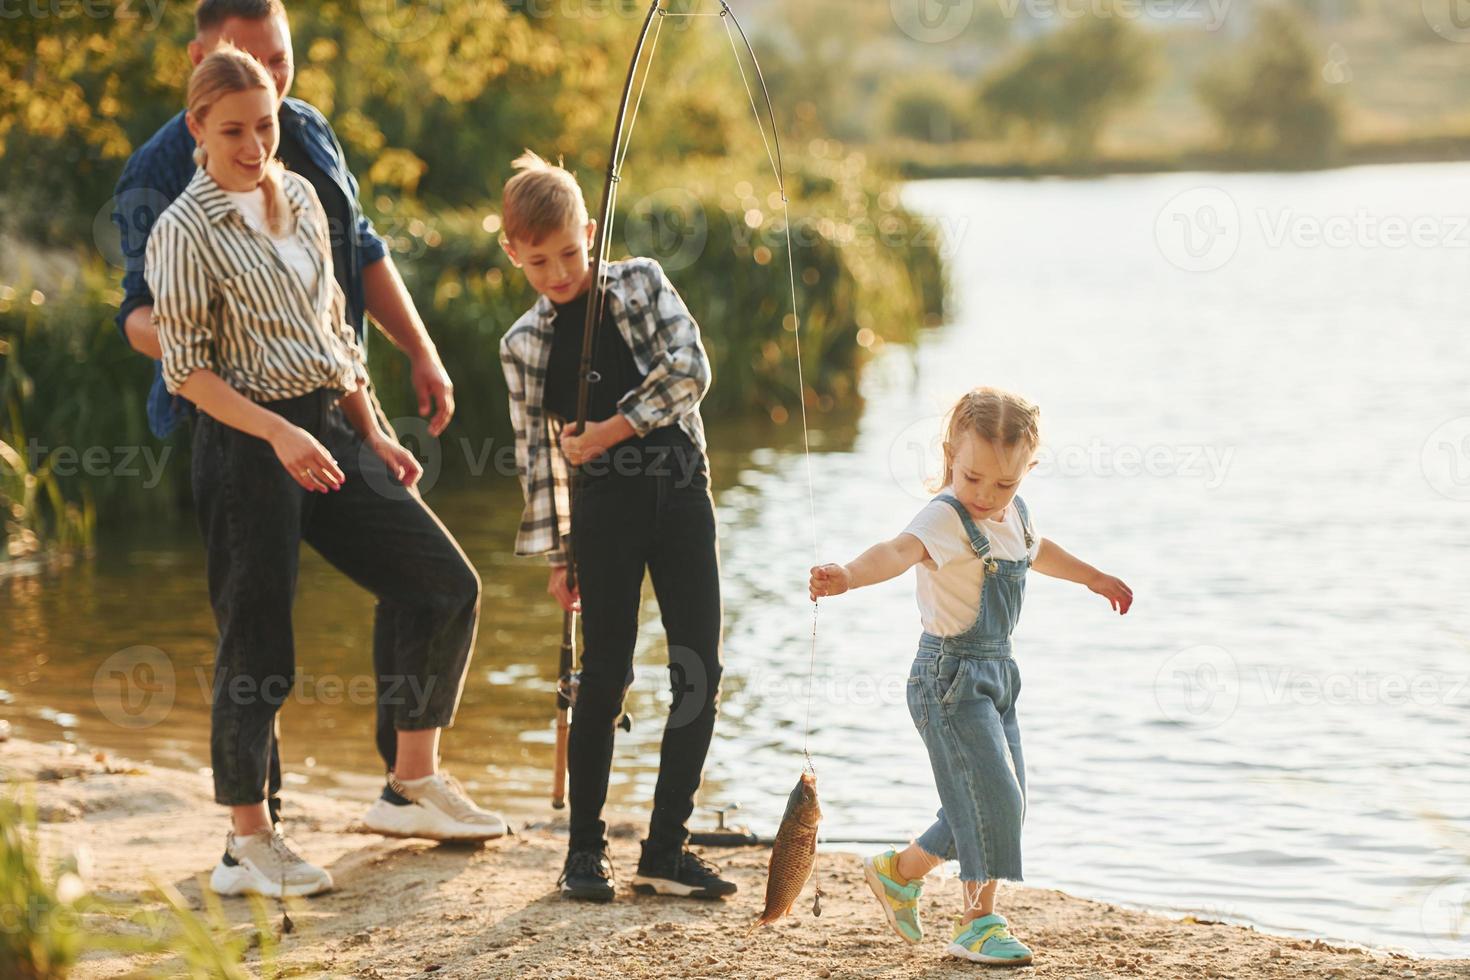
pixel 925 161
pixel 412 908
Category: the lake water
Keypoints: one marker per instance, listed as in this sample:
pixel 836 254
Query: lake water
pixel 1256 412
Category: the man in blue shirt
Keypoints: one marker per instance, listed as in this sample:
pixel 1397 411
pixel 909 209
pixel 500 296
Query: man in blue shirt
pixel 158 171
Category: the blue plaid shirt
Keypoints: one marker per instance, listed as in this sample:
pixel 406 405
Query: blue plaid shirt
pixel 665 342
pixel 160 169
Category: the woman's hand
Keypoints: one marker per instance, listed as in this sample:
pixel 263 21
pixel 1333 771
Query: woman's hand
pixel 570 599
pixel 405 468
pixel 306 460
pixel 829 580
pixel 1113 590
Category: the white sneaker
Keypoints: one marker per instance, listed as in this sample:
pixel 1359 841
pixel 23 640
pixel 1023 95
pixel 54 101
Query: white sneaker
pixel 264 864
pixel 435 807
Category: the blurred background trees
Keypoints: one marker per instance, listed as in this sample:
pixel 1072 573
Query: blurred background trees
pixel 1269 99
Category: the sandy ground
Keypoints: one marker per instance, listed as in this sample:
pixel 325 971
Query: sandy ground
pixel 412 909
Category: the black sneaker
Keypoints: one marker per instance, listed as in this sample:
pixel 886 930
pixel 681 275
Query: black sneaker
pixel 680 872
pixel 587 876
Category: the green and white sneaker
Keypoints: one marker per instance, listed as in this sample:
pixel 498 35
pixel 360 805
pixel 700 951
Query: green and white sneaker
pixel 898 896
pixel 987 940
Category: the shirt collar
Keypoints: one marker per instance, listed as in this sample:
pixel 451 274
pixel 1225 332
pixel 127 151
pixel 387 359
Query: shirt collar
pixel 216 203
pixel 210 195
pixel 545 309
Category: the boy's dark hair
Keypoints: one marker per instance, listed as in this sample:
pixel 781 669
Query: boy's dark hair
pixel 212 13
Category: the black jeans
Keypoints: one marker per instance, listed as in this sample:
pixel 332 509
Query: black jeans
pixel 254 516
pixel 646 506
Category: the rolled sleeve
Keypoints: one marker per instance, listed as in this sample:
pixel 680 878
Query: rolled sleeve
pixel 180 287
pixel 679 376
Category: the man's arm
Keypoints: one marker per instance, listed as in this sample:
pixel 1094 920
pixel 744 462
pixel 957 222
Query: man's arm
pixel 139 330
pixel 392 308
pixel 390 305
pixel 153 177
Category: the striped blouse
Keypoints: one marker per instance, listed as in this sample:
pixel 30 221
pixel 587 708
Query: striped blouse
pixel 224 301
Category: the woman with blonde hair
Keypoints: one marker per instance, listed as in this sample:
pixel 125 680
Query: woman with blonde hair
pixel 287 448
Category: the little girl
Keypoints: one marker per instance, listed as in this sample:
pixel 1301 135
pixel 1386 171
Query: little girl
pixel 973 545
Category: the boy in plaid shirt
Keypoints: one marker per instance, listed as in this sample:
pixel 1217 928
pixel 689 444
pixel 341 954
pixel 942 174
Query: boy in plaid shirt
pixel 642 502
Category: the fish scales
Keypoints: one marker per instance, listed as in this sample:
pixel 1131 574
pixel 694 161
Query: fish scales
pixel 795 851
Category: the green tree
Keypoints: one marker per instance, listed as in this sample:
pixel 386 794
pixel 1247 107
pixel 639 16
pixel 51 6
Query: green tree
pixel 1269 100
pixel 926 109
pixel 1068 84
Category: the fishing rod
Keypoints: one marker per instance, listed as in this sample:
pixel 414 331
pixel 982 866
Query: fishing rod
pixel 622 140
pixel 565 683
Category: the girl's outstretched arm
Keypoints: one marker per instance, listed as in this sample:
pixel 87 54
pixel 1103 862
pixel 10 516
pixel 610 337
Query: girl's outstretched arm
pixel 1052 559
pixel 883 561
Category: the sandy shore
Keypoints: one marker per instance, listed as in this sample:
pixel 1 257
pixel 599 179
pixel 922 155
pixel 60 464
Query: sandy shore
pixel 409 909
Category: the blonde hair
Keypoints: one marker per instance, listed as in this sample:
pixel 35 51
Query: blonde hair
pixel 999 416
pixel 225 71
pixel 541 199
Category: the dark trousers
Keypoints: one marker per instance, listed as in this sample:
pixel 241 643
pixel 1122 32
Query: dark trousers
pixel 647 507
pixel 254 516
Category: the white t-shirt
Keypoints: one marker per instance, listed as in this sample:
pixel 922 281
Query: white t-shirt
pixel 949 580
pixel 288 246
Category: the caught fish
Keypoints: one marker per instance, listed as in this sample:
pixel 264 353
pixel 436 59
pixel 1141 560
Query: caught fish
pixel 794 853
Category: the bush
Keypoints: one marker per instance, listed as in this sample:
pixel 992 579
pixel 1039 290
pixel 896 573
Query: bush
pixel 1067 84
pixel 1270 102
pixel 927 109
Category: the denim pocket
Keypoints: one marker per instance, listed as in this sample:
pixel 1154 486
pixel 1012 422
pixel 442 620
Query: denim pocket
pixel 951 674
pixel 918 701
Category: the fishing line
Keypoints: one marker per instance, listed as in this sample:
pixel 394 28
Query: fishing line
pixel 772 144
pixel 777 165
pixel 773 154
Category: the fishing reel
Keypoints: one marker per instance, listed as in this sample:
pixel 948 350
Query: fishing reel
pixel 567 688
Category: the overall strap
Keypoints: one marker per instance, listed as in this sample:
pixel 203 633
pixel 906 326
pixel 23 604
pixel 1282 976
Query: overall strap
pixel 1025 524
pixel 978 540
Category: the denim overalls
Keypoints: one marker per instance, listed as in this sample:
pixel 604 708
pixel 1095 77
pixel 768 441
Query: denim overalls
pixel 962 694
